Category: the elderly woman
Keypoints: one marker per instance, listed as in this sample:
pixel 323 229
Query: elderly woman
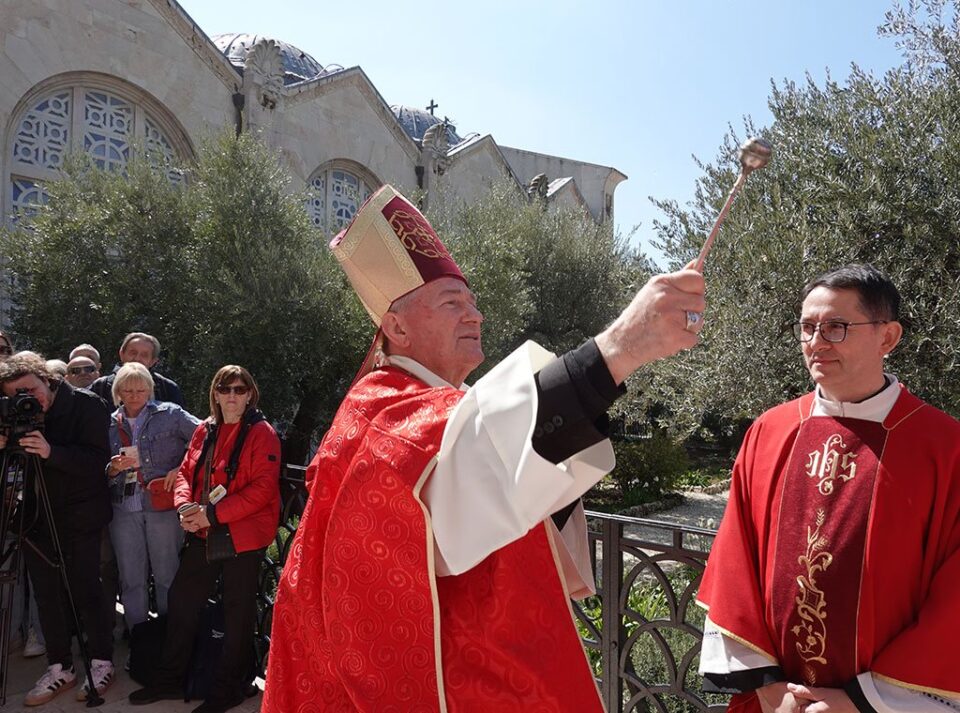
pixel 148 439
pixel 228 495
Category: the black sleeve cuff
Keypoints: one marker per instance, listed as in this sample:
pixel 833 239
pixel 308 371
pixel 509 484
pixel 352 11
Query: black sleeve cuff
pixel 574 393
pixel 857 697
pixel 742 681
pixel 561 516
pixel 212 514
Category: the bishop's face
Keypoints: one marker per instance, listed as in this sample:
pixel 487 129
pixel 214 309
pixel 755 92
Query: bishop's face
pixel 442 324
pixel 852 369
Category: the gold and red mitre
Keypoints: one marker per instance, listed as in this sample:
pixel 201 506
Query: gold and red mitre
pixel 389 249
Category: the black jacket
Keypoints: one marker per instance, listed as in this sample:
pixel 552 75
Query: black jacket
pixel 76 426
pixel 164 389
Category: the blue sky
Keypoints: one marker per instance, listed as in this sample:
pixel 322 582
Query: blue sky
pixel 639 85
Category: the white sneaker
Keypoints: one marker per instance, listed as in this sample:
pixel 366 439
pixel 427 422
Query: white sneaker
pixel 102 671
pixel 56 680
pixel 33 647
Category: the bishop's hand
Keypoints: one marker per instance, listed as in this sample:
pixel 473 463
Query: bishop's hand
pixel 654 324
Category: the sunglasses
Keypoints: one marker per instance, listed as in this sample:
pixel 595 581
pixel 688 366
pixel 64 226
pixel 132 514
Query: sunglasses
pixel 81 370
pixel 239 390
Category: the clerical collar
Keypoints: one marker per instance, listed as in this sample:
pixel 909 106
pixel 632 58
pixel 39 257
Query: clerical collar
pixel 415 368
pixel 876 408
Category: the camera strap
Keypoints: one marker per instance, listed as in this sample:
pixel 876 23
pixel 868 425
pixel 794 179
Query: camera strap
pixel 205 461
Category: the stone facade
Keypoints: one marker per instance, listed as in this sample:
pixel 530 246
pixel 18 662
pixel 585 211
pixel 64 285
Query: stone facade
pixel 105 76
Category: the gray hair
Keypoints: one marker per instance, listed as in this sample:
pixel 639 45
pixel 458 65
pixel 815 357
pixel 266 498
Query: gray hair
pixel 86 348
pixel 131 371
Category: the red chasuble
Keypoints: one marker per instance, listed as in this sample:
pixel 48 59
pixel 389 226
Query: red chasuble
pixel 361 623
pixel 839 552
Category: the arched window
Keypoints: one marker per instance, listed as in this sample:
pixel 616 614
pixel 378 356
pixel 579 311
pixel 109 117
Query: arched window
pixel 335 192
pixel 100 117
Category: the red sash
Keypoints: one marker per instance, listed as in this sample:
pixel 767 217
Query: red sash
pixel 826 498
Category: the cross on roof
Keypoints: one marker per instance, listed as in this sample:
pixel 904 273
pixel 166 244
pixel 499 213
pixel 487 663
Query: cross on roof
pixel 433 105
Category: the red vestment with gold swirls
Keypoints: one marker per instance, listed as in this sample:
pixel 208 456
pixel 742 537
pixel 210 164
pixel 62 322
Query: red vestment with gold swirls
pixel 361 622
pixel 839 551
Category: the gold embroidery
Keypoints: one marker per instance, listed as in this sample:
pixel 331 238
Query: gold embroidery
pixel 415 236
pixel 811 632
pixel 830 464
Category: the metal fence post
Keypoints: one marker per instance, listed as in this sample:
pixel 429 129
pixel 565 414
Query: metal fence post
pixel 612 634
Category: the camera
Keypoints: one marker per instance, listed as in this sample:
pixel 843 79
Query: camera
pixel 19 414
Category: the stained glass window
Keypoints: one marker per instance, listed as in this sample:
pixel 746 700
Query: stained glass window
pixel 27 195
pixel 44 132
pixel 334 196
pixel 102 123
pixel 107 129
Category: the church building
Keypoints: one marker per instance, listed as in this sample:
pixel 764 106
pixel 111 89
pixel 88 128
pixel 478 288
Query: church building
pixel 109 77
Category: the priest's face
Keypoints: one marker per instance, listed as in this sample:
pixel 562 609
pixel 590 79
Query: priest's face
pixel 852 369
pixel 438 325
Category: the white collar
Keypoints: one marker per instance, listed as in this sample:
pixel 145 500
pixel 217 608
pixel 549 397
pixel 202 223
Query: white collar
pixel 415 368
pixel 876 408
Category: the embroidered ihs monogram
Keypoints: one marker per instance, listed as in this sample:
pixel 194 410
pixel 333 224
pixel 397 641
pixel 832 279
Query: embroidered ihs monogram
pixel 831 462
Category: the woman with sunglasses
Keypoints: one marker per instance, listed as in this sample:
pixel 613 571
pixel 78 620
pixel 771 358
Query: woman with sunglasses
pixel 227 491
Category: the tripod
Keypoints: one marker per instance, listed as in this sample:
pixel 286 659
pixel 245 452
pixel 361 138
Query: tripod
pixel 15 467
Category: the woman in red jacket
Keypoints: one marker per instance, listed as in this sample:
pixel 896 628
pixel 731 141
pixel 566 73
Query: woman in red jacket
pixel 227 493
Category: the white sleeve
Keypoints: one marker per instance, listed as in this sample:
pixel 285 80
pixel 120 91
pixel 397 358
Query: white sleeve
pixel 721 654
pixel 490 487
pixel 888 697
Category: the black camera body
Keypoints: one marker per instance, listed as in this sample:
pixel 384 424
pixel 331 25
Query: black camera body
pixel 19 414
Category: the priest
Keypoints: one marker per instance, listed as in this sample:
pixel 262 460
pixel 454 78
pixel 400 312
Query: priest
pixel 443 535
pixel 833 582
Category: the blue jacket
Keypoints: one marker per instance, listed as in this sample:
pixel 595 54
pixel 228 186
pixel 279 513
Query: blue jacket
pixel 163 440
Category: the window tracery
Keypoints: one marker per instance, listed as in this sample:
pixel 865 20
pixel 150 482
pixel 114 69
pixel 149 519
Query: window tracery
pixel 335 193
pixel 106 123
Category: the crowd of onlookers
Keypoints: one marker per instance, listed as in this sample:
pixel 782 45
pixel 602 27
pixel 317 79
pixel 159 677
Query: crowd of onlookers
pixel 140 492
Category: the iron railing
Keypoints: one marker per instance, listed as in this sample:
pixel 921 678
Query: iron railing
pixel 642 625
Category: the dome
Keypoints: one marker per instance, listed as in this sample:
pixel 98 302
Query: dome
pixel 298 66
pixel 416 122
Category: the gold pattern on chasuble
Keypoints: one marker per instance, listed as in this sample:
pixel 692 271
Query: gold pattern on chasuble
pixel 828 464
pixel 414 236
pixel 811 603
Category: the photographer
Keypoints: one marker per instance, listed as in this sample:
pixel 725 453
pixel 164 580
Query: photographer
pixel 66 437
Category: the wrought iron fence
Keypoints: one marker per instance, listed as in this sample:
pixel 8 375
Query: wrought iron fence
pixel 641 631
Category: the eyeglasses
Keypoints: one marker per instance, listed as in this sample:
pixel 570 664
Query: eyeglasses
pixel 7 350
pixel 239 389
pixel 81 369
pixel 833 331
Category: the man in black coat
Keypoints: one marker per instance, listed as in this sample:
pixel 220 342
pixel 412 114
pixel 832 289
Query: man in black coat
pixel 71 450
pixel 144 348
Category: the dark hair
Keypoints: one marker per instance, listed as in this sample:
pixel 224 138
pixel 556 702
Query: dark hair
pixel 879 298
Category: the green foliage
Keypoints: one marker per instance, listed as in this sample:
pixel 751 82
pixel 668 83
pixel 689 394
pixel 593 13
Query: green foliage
pixel 863 170
pixel 648 468
pixel 223 269
pixel 226 268
pixel 647 601
pixel 554 276
pixel 702 477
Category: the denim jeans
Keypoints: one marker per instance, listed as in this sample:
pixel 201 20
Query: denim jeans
pixel 145 541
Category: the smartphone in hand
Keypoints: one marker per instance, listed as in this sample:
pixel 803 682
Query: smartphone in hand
pixel 187 509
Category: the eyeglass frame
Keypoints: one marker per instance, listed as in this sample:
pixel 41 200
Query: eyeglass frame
pixel 237 389
pixel 77 370
pixel 797 327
